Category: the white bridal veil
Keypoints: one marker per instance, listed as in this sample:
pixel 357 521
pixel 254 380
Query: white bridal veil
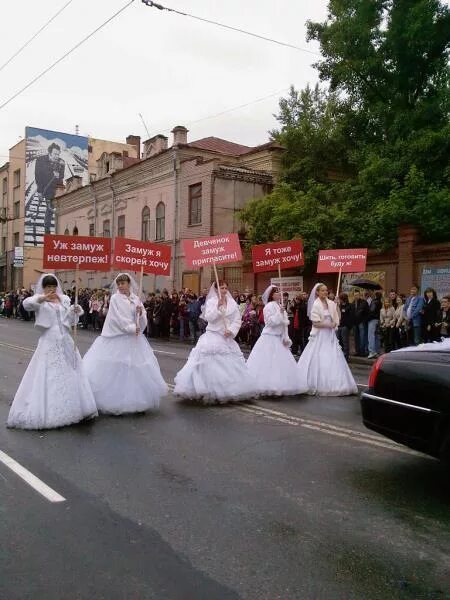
pixel 312 298
pixel 39 289
pixel 265 296
pixel 133 284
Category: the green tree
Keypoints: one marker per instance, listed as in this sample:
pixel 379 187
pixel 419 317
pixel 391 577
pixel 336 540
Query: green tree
pixel 382 124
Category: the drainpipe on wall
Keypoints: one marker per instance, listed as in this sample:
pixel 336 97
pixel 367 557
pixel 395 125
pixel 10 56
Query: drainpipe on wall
pixel 112 218
pixel 95 208
pixel 176 196
pixel 211 224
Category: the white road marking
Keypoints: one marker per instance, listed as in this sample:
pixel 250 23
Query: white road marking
pixel 14 347
pixel 355 436
pixel 33 481
pixel 164 352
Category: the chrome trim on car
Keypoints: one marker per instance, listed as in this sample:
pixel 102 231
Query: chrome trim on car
pixel 404 404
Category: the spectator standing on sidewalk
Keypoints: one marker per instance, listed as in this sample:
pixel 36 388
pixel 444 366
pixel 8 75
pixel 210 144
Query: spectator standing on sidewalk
pixel 413 311
pixel 373 325
pixel 387 324
pixel 361 313
pixel 431 308
pixel 346 323
pixel 443 323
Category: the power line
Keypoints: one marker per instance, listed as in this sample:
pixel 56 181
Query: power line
pixel 228 110
pixel 35 35
pixel 219 114
pixel 45 71
pixel 256 35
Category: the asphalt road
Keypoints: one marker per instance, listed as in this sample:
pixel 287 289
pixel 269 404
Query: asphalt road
pixel 286 499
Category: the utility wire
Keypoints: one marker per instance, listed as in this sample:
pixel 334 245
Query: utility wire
pixel 256 35
pixel 45 71
pixel 219 114
pixel 35 35
pixel 228 110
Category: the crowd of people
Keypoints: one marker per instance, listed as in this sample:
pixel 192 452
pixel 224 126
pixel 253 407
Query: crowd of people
pixel 370 322
pixel 120 374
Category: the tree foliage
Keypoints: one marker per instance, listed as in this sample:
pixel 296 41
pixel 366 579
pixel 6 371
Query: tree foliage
pixel 371 150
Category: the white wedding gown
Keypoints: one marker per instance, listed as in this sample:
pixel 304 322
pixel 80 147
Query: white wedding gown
pixel 271 363
pixel 122 369
pixel 215 371
pixel 322 367
pixel 54 390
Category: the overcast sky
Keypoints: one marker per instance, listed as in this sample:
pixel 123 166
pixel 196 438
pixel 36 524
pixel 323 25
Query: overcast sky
pixel 172 69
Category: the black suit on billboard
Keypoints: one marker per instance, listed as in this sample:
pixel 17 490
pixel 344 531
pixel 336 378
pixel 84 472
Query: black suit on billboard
pixel 48 175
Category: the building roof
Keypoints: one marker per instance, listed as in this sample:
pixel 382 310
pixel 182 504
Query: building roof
pixel 215 144
pixel 130 160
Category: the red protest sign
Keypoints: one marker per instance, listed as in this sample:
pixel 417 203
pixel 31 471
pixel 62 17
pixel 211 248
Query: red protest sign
pixel 206 251
pixel 134 255
pixel 67 251
pixel 350 260
pixel 267 257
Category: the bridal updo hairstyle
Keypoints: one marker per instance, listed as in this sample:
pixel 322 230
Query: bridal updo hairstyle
pixel 49 280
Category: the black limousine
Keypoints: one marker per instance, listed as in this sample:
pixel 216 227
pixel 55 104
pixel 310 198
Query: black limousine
pixel 408 398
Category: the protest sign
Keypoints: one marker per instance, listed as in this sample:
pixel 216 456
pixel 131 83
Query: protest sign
pixel 224 248
pixel 344 261
pixel 278 255
pixel 64 252
pixel 135 255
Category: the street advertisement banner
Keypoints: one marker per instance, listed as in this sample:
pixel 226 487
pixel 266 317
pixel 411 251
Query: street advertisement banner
pixel 18 257
pixel 437 278
pixel 135 255
pixel 348 260
pixel 292 285
pixel 64 252
pixel 283 255
pixel 51 158
pixel 375 276
pixel 219 249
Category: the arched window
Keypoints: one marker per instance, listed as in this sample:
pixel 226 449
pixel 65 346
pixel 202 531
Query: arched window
pixel 75 230
pixel 160 221
pixel 145 227
pixel 66 231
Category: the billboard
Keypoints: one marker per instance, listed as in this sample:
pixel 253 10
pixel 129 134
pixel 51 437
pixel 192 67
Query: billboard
pixel 52 157
pixel 376 276
pixel 437 278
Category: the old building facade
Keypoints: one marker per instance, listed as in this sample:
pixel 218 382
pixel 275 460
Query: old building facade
pixel 15 271
pixel 190 190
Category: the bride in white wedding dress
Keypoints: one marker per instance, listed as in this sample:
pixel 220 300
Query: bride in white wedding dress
pixel 121 367
pixel 271 363
pixel 322 367
pixel 215 372
pixel 54 390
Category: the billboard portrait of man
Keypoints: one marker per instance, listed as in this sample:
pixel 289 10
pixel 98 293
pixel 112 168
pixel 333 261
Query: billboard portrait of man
pixel 52 157
pixel 48 173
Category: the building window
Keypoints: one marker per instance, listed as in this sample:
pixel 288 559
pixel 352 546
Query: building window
pixel 75 230
pixel 66 231
pixel 16 240
pixel 16 178
pixel 5 191
pixel 106 228
pixel 3 245
pixel 121 226
pixel 16 210
pixel 91 229
pixel 195 204
pixel 161 221
pixel 145 228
